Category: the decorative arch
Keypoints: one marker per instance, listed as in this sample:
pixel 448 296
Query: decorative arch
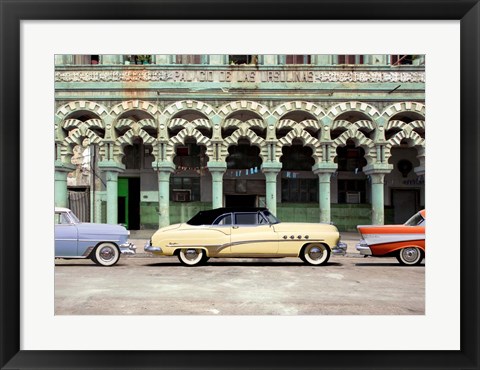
pixel 401 107
pixel 251 136
pixel 206 109
pixel 307 139
pixel 77 132
pixel 353 106
pixel 180 139
pixel 247 105
pixel 412 136
pixel 130 105
pixel 414 140
pixel 307 107
pixel 244 124
pixel 360 140
pixel 181 122
pixel 95 108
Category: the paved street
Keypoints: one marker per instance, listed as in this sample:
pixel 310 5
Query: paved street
pixel 144 285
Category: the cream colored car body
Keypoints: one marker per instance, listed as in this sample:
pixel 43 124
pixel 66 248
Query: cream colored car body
pixel 285 239
pixel 280 239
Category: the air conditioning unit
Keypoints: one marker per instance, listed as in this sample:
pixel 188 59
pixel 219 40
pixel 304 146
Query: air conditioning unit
pixel 353 197
pixel 181 195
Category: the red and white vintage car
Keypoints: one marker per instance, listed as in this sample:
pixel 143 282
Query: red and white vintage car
pixel 405 242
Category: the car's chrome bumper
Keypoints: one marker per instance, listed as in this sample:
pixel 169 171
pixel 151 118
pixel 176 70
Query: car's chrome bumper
pixel 340 249
pixel 363 248
pixel 128 248
pixel 150 248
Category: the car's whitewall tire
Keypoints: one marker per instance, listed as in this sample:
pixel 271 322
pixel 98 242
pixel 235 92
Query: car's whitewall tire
pixel 191 256
pixel 410 256
pixel 315 254
pixel 106 254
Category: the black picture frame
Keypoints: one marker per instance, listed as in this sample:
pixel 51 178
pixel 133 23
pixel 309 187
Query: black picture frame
pixel 13 12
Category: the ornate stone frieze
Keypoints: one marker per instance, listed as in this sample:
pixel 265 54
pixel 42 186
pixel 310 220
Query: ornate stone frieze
pixel 238 76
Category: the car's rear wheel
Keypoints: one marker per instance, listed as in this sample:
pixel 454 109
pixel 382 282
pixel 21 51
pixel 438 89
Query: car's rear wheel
pixel 106 254
pixel 191 256
pixel 410 256
pixel 315 254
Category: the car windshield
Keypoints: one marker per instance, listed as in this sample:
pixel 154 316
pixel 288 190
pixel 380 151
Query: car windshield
pixel 415 220
pixel 73 217
pixel 271 218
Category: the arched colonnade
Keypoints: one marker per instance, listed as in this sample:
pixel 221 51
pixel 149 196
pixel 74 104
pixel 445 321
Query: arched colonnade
pixel 112 129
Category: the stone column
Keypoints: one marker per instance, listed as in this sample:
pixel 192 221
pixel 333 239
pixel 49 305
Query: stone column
pixel 378 213
pixel 111 169
pixel 324 171
pixel 164 170
pixel 271 170
pixel 217 169
pixel 61 192
pixel 377 174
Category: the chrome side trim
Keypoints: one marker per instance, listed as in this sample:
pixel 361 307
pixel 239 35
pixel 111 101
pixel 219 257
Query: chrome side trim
pixel 99 240
pixel 87 252
pixel 219 247
pixel 72 257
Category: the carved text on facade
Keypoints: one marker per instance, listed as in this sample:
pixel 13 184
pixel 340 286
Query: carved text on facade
pixel 238 76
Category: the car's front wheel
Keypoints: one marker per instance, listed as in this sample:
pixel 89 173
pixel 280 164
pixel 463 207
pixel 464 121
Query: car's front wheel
pixel 315 254
pixel 410 256
pixel 191 256
pixel 106 254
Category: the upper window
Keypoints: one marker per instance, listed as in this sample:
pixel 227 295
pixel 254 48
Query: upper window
pixel 396 60
pixel 242 59
pixel 297 59
pixel 188 59
pixel 350 59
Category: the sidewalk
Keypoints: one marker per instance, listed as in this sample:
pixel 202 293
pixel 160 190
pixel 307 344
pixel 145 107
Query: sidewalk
pixel 140 237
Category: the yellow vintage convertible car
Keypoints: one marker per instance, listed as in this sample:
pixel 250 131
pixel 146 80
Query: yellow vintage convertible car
pixel 245 232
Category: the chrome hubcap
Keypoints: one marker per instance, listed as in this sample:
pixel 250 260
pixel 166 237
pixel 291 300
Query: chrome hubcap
pixel 107 253
pixel 191 254
pixel 410 254
pixel 315 253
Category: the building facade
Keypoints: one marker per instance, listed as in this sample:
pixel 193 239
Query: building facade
pixel 149 140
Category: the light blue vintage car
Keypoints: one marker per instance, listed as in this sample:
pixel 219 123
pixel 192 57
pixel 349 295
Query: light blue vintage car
pixel 102 243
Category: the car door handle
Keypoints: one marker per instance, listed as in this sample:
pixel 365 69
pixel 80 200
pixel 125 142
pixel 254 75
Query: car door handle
pixel 235 227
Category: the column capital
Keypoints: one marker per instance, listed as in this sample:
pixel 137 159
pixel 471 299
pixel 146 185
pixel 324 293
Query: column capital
pixel 377 169
pixel 111 166
pixel 64 167
pixel 164 166
pixel 271 167
pixel 216 166
pixel 324 167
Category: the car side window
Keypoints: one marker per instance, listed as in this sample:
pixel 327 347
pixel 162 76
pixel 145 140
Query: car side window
pixel 261 219
pixel 61 219
pixel 223 220
pixel 247 218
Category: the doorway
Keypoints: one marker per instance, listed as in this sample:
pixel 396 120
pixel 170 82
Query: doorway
pixel 129 202
pixel 240 201
pixel 405 204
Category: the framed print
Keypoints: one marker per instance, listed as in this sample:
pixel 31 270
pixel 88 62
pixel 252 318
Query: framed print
pixel 42 40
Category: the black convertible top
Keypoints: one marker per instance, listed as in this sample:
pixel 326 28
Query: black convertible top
pixel 207 217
